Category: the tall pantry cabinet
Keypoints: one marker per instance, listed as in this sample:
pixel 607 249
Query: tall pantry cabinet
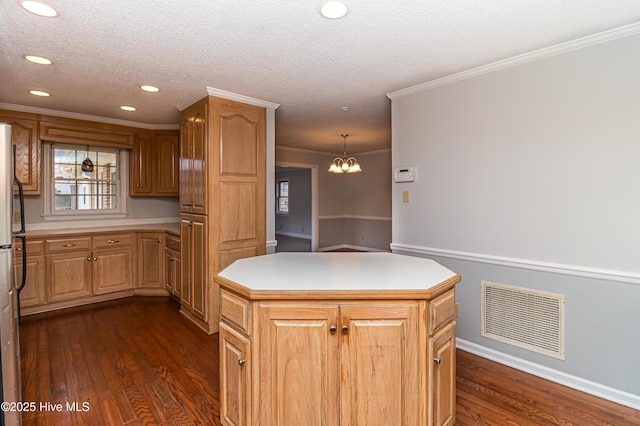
pixel 222 198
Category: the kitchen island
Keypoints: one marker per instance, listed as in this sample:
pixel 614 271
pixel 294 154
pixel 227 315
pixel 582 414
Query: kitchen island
pixel 337 338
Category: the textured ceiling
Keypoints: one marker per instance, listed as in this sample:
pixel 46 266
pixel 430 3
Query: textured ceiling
pixel 280 51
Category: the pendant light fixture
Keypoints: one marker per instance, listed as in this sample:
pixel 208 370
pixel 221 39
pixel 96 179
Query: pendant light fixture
pixel 87 164
pixel 345 164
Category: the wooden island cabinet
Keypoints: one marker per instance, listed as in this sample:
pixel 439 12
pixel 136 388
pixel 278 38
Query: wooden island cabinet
pixel 337 339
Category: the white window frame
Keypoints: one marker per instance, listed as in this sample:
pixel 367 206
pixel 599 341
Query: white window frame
pixel 278 211
pixel 48 188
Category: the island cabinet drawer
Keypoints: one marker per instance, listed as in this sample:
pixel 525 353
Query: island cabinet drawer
pixel 60 245
pixel 442 310
pixel 112 240
pixel 172 242
pixel 234 310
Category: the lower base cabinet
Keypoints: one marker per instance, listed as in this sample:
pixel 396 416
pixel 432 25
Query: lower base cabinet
pixel 315 362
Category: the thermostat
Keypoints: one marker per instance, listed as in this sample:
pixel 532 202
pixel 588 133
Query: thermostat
pixel 404 174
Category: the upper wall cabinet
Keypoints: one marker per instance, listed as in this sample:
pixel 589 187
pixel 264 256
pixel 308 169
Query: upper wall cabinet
pixel 154 164
pixel 24 135
pixel 193 159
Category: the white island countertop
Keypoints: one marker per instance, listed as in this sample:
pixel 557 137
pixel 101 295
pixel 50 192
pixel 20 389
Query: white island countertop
pixel 336 275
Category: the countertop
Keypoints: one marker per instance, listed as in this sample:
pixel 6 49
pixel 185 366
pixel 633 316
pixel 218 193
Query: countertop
pixel 337 274
pixel 173 228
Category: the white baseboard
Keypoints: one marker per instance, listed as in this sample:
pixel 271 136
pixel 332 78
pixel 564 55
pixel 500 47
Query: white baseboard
pixel 293 234
pixel 349 246
pixel 596 389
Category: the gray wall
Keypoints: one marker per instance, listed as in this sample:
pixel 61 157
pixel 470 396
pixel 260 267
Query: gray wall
pixel 353 210
pixel 297 222
pixel 138 208
pixel 529 176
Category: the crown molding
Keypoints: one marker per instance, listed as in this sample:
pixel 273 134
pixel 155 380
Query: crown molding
pixel 330 154
pixel 212 91
pixel 603 37
pixel 87 117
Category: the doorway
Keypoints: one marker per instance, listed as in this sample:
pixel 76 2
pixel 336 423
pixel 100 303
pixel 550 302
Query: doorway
pixel 296 218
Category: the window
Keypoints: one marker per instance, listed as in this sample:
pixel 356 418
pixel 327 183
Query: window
pixel 282 194
pixel 83 181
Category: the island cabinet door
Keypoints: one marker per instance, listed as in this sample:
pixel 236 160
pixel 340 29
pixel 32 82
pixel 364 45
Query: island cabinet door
pixel 299 375
pixel 442 392
pixel 235 368
pixel 380 365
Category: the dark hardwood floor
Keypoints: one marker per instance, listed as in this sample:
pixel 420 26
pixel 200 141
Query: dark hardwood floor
pixel 137 361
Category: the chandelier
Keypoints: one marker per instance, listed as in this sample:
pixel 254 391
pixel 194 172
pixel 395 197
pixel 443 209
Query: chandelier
pixel 345 164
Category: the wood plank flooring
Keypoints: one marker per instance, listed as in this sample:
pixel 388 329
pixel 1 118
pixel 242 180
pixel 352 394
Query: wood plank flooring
pixel 137 361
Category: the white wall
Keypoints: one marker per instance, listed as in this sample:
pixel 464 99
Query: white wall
pixel 530 176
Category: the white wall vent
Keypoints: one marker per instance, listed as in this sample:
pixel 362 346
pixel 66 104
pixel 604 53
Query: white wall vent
pixel 522 317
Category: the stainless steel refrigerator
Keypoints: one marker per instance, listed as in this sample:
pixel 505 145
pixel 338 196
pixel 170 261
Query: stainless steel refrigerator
pixel 9 301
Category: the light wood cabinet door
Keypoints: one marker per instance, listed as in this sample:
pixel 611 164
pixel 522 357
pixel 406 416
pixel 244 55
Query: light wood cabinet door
pixel 235 371
pixel 166 164
pixel 380 364
pixel 299 364
pixel 172 272
pixel 69 275
pixel 141 165
pixel 193 160
pixel 198 263
pixel 442 374
pixel 24 135
pixel 112 270
pixel 33 293
pixel 186 252
pixel 150 265
pixel 194 255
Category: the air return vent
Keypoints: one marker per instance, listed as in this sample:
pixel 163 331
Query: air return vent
pixel 529 319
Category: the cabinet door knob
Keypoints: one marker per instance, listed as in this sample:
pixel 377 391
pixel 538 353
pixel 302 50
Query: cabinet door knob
pixel 138 185
pixel 437 361
pixel 159 241
pixel 241 362
pixel 95 259
pixel 333 329
pixel 345 329
pixel 89 259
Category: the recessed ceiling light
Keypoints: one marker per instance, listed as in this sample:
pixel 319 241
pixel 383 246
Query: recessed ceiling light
pixel 127 108
pixel 39 9
pixel 37 59
pixel 334 9
pixel 150 89
pixel 39 93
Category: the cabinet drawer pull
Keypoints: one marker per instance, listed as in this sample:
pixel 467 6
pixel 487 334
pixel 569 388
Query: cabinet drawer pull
pixel 68 245
pixel 345 329
pixel 241 362
pixel 437 361
pixel 113 241
pixel 333 329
